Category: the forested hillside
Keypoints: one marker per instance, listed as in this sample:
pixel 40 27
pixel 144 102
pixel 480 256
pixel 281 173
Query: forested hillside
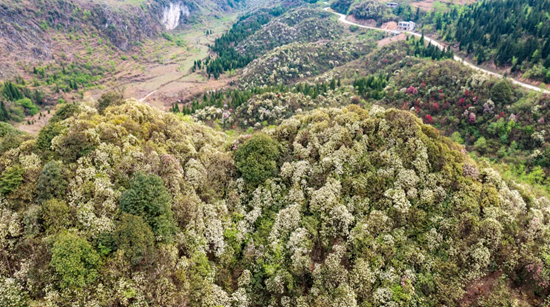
pixel 227 56
pixel 334 207
pixel 513 34
pixel 296 162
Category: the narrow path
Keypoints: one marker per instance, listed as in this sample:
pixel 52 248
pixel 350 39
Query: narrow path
pixel 437 44
pixel 143 99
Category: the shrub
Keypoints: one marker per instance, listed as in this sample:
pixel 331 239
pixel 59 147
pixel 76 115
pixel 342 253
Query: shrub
pixel 148 198
pixel 10 141
pixel 501 93
pixel 52 182
pixel 481 144
pixel 56 215
pixel 167 36
pixel 428 119
pixel 341 6
pixel 30 108
pixel 46 135
pixel 109 99
pixel 457 138
pixel 74 261
pixel 5 128
pixel 135 238
pixel 256 160
pixel 12 293
pixel 11 179
pixel 371 9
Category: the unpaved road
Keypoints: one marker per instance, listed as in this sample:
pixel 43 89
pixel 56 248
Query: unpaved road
pixel 436 43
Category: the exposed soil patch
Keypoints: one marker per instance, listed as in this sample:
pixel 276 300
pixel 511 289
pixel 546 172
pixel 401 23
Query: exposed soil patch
pixel 427 5
pixel 183 89
pixel 390 25
pixel 391 39
pixel 364 22
pixel 38 121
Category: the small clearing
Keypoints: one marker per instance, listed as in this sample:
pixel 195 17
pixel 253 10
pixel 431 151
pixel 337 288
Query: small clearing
pixel 363 22
pixel 428 5
pixel 390 25
pixel 38 121
pixel 391 39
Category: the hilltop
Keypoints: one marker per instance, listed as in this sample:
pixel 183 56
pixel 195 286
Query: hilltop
pixel 333 207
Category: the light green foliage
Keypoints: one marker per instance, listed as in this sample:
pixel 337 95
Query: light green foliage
pixel 64 112
pixel 6 128
pixel 481 144
pixel 149 199
pixel 256 159
pixel 56 215
pixel 11 140
pixel 455 137
pixel 74 261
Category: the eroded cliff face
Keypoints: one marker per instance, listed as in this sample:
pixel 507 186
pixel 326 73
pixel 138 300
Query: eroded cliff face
pixel 25 29
pixel 37 31
pixel 173 13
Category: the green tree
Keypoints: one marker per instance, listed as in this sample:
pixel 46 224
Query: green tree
pixel 148 198
pixel 481 145
pixel 256 159
pixel 109 99
pixel 457 138
pixel 10 141
pixel 74 261
pixel 46 135
pixel 66 111
pixel 134 236
pixel 52 182
pixel 501 93
pixel 30 107
pixel 52 129
pixel 56 215
pixel 11 179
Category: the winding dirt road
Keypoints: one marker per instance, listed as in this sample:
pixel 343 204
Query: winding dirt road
pixel 437 44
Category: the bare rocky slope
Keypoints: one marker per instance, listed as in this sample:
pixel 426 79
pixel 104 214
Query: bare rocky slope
pixel 28 30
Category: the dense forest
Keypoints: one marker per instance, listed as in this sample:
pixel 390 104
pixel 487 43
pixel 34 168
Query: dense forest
pixel 227 57
pixel 334 167
pixel 341 6
pixel 513 33
pixel 18 99
pixel 333 207
pixel 371 9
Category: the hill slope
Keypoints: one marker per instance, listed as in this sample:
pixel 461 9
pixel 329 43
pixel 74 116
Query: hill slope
pixel 334 207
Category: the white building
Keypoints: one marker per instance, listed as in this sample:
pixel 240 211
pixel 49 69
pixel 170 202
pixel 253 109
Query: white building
pixel 406 25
